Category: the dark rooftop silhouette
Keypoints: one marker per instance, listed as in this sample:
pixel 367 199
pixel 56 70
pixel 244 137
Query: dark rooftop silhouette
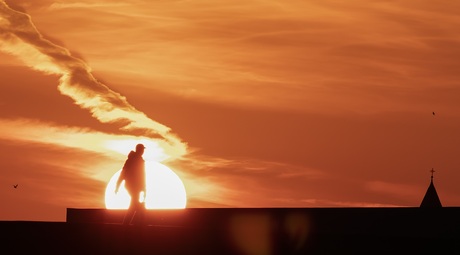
pixel 431 198
pixel 275 231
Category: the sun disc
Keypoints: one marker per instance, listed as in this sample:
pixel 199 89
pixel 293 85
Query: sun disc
pixel 165 189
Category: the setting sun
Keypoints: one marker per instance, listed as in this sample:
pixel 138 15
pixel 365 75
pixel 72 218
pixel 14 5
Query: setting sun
pixel 165 189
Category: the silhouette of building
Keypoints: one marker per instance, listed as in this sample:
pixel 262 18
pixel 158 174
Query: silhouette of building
pixel 431 198
pixel 236 231
pixel 229 231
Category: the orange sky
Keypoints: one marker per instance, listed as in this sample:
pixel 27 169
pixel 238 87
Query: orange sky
pixel 252 103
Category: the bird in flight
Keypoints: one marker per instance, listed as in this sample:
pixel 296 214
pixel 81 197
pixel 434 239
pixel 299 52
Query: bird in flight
pixel 15 186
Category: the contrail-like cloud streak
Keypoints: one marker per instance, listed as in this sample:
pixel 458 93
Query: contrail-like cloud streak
pixel 20 37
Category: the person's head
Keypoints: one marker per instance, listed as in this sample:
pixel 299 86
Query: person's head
pixel 140 148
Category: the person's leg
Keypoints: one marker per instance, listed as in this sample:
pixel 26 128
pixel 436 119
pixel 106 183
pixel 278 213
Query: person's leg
pixel 139 208
pixel 128 216
pixel 140 213
pixel 132 208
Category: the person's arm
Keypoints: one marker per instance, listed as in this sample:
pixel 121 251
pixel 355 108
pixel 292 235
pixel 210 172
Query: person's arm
pixel 120 179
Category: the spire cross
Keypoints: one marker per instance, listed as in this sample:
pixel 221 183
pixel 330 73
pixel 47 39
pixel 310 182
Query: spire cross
pixel 432 171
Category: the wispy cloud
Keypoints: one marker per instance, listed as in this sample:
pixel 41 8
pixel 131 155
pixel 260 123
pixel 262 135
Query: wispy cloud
pixel 19 36
pixel 304 55
pixel 83 4
pixel 244 182
pixel 331 203
pixel 365 56
pixel 395 189
pixel 85 139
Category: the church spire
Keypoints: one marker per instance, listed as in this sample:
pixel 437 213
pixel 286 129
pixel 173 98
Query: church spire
pixel 431 199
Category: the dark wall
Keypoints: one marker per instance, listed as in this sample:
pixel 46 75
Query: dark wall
pixel 243 231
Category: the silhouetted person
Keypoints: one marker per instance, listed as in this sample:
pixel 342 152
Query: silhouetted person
pixel 133 173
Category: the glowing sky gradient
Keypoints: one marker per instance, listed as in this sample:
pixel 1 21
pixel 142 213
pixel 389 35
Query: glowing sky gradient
pixel 252 103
